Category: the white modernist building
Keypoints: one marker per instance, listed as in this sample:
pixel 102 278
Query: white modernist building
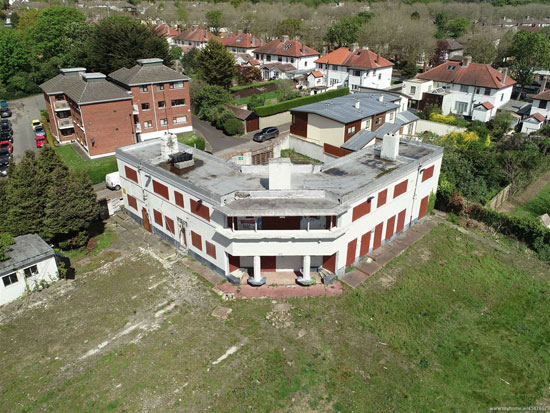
pixel 31 261
pixel 280 216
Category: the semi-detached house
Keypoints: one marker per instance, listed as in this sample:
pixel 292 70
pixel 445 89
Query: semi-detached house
pixel 241 42
pixel 280 216
pixel 539 113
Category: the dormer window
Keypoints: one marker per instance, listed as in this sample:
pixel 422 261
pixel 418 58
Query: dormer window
pixel 451 67
pixel 287 46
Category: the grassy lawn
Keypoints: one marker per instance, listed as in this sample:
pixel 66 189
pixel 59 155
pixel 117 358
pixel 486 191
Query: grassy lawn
pixel 298 158
pixel 537 206
pixel 432 331
pixel 96 169
pixel 275 94
pixel 191 139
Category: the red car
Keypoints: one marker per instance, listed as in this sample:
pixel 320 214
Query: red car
pixel 6 144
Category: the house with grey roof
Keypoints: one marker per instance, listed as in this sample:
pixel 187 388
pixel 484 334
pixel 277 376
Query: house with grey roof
pixel 335 122
pixel 30 264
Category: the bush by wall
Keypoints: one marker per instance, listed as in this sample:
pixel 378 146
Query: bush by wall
pixel 448 119
pixel 269 110
pixel 233 126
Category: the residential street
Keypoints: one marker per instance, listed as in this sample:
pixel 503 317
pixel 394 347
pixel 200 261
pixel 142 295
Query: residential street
pixel 24 111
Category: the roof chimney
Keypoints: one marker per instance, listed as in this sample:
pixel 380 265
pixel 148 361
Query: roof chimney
pixel 390 147
pixel 543 84
pixel 357 104
pixel 72 71
pixel 504 75
pixel 150 62
pixel 285 38
pixel 280 173
pixel 168 145
pixel 93 77
pixel 381 98
pixel 354 47
pixel 466 60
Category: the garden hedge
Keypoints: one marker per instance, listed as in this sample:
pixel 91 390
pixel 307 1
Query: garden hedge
pixel 269 110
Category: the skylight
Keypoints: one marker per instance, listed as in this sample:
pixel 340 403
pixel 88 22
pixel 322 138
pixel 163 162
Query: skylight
pixel 287 46
pixel 451 67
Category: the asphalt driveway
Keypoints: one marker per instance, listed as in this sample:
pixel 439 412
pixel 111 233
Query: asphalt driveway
pixel 24 111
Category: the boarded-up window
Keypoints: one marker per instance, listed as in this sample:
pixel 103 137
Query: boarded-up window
pixel 196 240
pixel 132 202
pixel 382 195
pixel 401 221
pixel 352 249
pixel 400 188
pixel 158 217
pixel 361 210
pixel 200 210
pixel 131 174
pixel 160 189
pixel 423 207
pixel 365 243
pixel 390 227
pixel 169 223
pixel 210 249
pixel 179 199
pixel 428 173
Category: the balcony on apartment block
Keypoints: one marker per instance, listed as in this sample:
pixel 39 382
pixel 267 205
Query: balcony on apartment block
pixel 138 127
pixel 135 109
pixel 65 123
pixel 61 105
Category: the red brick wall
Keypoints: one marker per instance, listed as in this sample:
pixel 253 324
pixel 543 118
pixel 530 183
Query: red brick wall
pixel 109 124
pixel 51 114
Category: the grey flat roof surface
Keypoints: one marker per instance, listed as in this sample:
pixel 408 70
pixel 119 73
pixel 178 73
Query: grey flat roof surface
pixel 344 179
pixel 342 109
pixel 26 251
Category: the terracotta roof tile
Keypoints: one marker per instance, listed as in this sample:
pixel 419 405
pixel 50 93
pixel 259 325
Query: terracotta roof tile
pixel 362 58
pixel 538 117
pixel 317 73
pixel 166 31
pixel 197 35
pixel 543 95
pixel 475 74
pixel 283 67
pixel 292 48
pixel 487 105
pixel 241 39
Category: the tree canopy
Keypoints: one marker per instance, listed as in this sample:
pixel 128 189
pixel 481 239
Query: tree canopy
pixel 216 64
pixel 214 19
pixel 531 51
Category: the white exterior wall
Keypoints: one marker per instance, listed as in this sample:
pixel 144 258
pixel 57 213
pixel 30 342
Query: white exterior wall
pixel 415 88
pixel 47 271
pixel 374 78
pixel 530 125
pixel 498 98
pixel 300 63
pixel 313 81
pixel 322 130
pixel 535 109
pixel 157 134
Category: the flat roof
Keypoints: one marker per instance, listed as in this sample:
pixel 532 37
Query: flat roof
pixel 315 189
pixel 27 250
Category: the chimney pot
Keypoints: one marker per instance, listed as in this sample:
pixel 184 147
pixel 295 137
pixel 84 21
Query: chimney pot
pixel 354 47
pixel 285 38
pixel 390 147
pixel 466 60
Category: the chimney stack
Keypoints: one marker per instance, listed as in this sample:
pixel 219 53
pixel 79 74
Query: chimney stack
pixel 285 38
pixel 543 84
pixel 381 98
pixel 354 47
pixel 280 173
pixel 168 145
pixel 357 104
pixel 466 60
pixel 390 147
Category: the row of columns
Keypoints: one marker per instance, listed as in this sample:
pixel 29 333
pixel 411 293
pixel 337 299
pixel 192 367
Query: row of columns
pixel 258 280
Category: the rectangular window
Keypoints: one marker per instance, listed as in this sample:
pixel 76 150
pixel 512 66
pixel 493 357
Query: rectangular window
pixel 143 89
pixel 200 210
pixel 413 90
pixel 160 87
pixel 176 85
pixel 400 188
pixel 132 202
pixel 9 279
pixel 179 199
pixel 378 120
pixel 131 174
pixel 164 122
pixel 161 104
pixel 461 107
pixel 356 73
pixel 169 224
pixel 487 92
pixel 361 210
pixel 478 91
pixel 428 173
pixel 382 195
pixel 464 89
pixel 145 106
pixel 390 227
pixel 367 124
pixel 158 217
pixel 179 119
pixel 178 102
pixel 196 240
pixel 210 249
pixel 148 124
pixel 160 189
pixel 401 221
pixel 391 116
pixel 31 271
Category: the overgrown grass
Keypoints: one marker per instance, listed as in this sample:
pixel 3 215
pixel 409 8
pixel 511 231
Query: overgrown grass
pixel 96 169
pixel 104 240
pixel 299 158
pixel 274 94
pixel 251 85
pixel 189 138
pixel 537 206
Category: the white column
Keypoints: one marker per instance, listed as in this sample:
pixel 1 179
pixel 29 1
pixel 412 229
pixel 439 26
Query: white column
pixel 306 268
pixel 257 269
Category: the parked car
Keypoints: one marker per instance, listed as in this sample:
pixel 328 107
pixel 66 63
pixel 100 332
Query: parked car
pixel 41 141
pixel 6 135
pixel 5 124
pixel 5 158
pixel 266 134
pixel 112 181
pixel 35 123
pixel 39 131
pixel 6 144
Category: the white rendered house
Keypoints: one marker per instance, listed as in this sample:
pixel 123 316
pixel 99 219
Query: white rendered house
pixel 540 112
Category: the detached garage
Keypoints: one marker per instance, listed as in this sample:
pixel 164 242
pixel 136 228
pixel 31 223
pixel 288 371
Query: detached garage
pixel 251 121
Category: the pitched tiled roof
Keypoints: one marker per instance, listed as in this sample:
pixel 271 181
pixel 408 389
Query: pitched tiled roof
pixel 147 71
pixel 452 45
pixel 292 48
pixel 81 91
pixel 317 73
pixel 166 31
pixel 543 95
pixel 241 39
pixel 362 58
pixel 538 116
pixel 197 35
pixel 283 67
pixel 487 105
pixel 475 74
pixel 242 114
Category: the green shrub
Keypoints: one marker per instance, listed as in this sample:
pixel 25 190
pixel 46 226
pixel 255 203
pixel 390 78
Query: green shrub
pixel 233 126
pixel 269 110
pixel 192 140
pixel 44 113
pixel 251 85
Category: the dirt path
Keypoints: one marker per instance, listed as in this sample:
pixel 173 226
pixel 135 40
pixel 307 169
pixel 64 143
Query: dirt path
pixel 529 193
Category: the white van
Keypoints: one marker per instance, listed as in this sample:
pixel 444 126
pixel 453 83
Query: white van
pixel 112 181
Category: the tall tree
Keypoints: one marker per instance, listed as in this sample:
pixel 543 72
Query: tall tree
pixel 290 27
pixel 214 19
pixel 482 49
pixel 6 240
pixel 531 51
pixel 344 32
pixel 208 98
pixel 189 62
pixel 14 57
pixel 119 41
pixel 216 64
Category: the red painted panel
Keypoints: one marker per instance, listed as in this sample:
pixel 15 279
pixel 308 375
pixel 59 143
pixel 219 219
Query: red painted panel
pixel 382 196
pixel 132 202
pixel 329 262
pixel 200 210
pixel 428 173
pixel 378 236
pixel 352 250
pixel 131 174
pixel 365 244
pixel 234 262
pixel 210 249
pixel 400 188
pixel 158 217
pixel 160 189
pixel 169 223
pixel 390 227
pixel 335 150
pixel 179 199
pixel 269 264
pixel 196 240
pixel 423 207
pixel 401 221
pixel 361 210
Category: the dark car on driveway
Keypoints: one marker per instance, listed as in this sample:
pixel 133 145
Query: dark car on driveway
pixel 5 124
pixel 5 157
pixel 266 134
pixel 6 135
pixel 5 111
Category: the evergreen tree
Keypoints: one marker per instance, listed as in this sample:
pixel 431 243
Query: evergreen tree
pixel 216 64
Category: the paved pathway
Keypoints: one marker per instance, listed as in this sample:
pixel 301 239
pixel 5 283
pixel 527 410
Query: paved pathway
pixel 281 291
pixel 24 111
pixel 216 139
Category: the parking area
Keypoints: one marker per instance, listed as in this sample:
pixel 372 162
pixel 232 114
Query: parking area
pixel 24 111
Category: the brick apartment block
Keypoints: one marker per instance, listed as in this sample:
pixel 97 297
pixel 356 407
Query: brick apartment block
pixel 103 113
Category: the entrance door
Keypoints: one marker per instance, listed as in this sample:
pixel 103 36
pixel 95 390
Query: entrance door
pixel 390 226
pixel 423 207
pixel 146 223
pixel 269 264
pixel 352 249
pixel 365 244
pixel 329 262
pixel 234 262
pixel 378 236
